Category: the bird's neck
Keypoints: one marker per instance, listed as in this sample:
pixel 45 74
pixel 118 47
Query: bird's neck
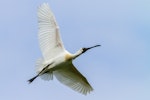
pixel 78 53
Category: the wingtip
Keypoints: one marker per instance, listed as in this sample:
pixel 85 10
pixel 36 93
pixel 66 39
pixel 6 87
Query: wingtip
pixel 43 5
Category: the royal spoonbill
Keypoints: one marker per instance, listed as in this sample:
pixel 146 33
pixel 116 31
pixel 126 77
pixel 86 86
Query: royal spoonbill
pixel 56 59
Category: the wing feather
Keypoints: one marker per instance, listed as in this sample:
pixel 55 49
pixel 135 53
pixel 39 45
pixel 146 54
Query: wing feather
pixel 49 37
pixel 71 77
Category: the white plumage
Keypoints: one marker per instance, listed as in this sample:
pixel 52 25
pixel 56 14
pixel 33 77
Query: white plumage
pixel 56 59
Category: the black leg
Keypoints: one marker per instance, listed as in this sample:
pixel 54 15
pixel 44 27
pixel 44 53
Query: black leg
pixel 32 79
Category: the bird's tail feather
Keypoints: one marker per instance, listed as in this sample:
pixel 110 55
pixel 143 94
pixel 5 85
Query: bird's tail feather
pixel 39 65
pixel 40 69
pixel 47 76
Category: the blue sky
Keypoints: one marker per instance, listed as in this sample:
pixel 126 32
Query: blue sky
pixel 118 70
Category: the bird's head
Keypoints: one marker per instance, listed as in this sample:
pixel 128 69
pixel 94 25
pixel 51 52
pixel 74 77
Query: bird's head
pixel 86 49
pixel 83 50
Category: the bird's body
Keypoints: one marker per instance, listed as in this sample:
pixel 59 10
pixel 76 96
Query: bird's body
pixel 57 61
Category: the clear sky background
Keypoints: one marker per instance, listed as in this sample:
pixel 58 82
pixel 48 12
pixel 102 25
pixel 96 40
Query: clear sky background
pixel 118 70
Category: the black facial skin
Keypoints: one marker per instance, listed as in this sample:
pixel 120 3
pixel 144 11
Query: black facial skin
pixel 85 49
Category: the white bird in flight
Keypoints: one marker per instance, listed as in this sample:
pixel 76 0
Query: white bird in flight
pixel 56 59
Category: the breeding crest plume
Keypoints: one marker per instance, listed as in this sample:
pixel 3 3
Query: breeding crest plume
pixel 56 60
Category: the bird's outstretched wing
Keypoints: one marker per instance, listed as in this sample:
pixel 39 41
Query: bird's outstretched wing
pixel 49 38
pixel 71 77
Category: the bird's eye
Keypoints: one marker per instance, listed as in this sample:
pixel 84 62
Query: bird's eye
pixel 84 49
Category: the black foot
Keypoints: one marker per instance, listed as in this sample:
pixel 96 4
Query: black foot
pixel 32 79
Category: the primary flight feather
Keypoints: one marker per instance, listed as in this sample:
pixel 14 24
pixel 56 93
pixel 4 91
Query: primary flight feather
pixel 56 59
